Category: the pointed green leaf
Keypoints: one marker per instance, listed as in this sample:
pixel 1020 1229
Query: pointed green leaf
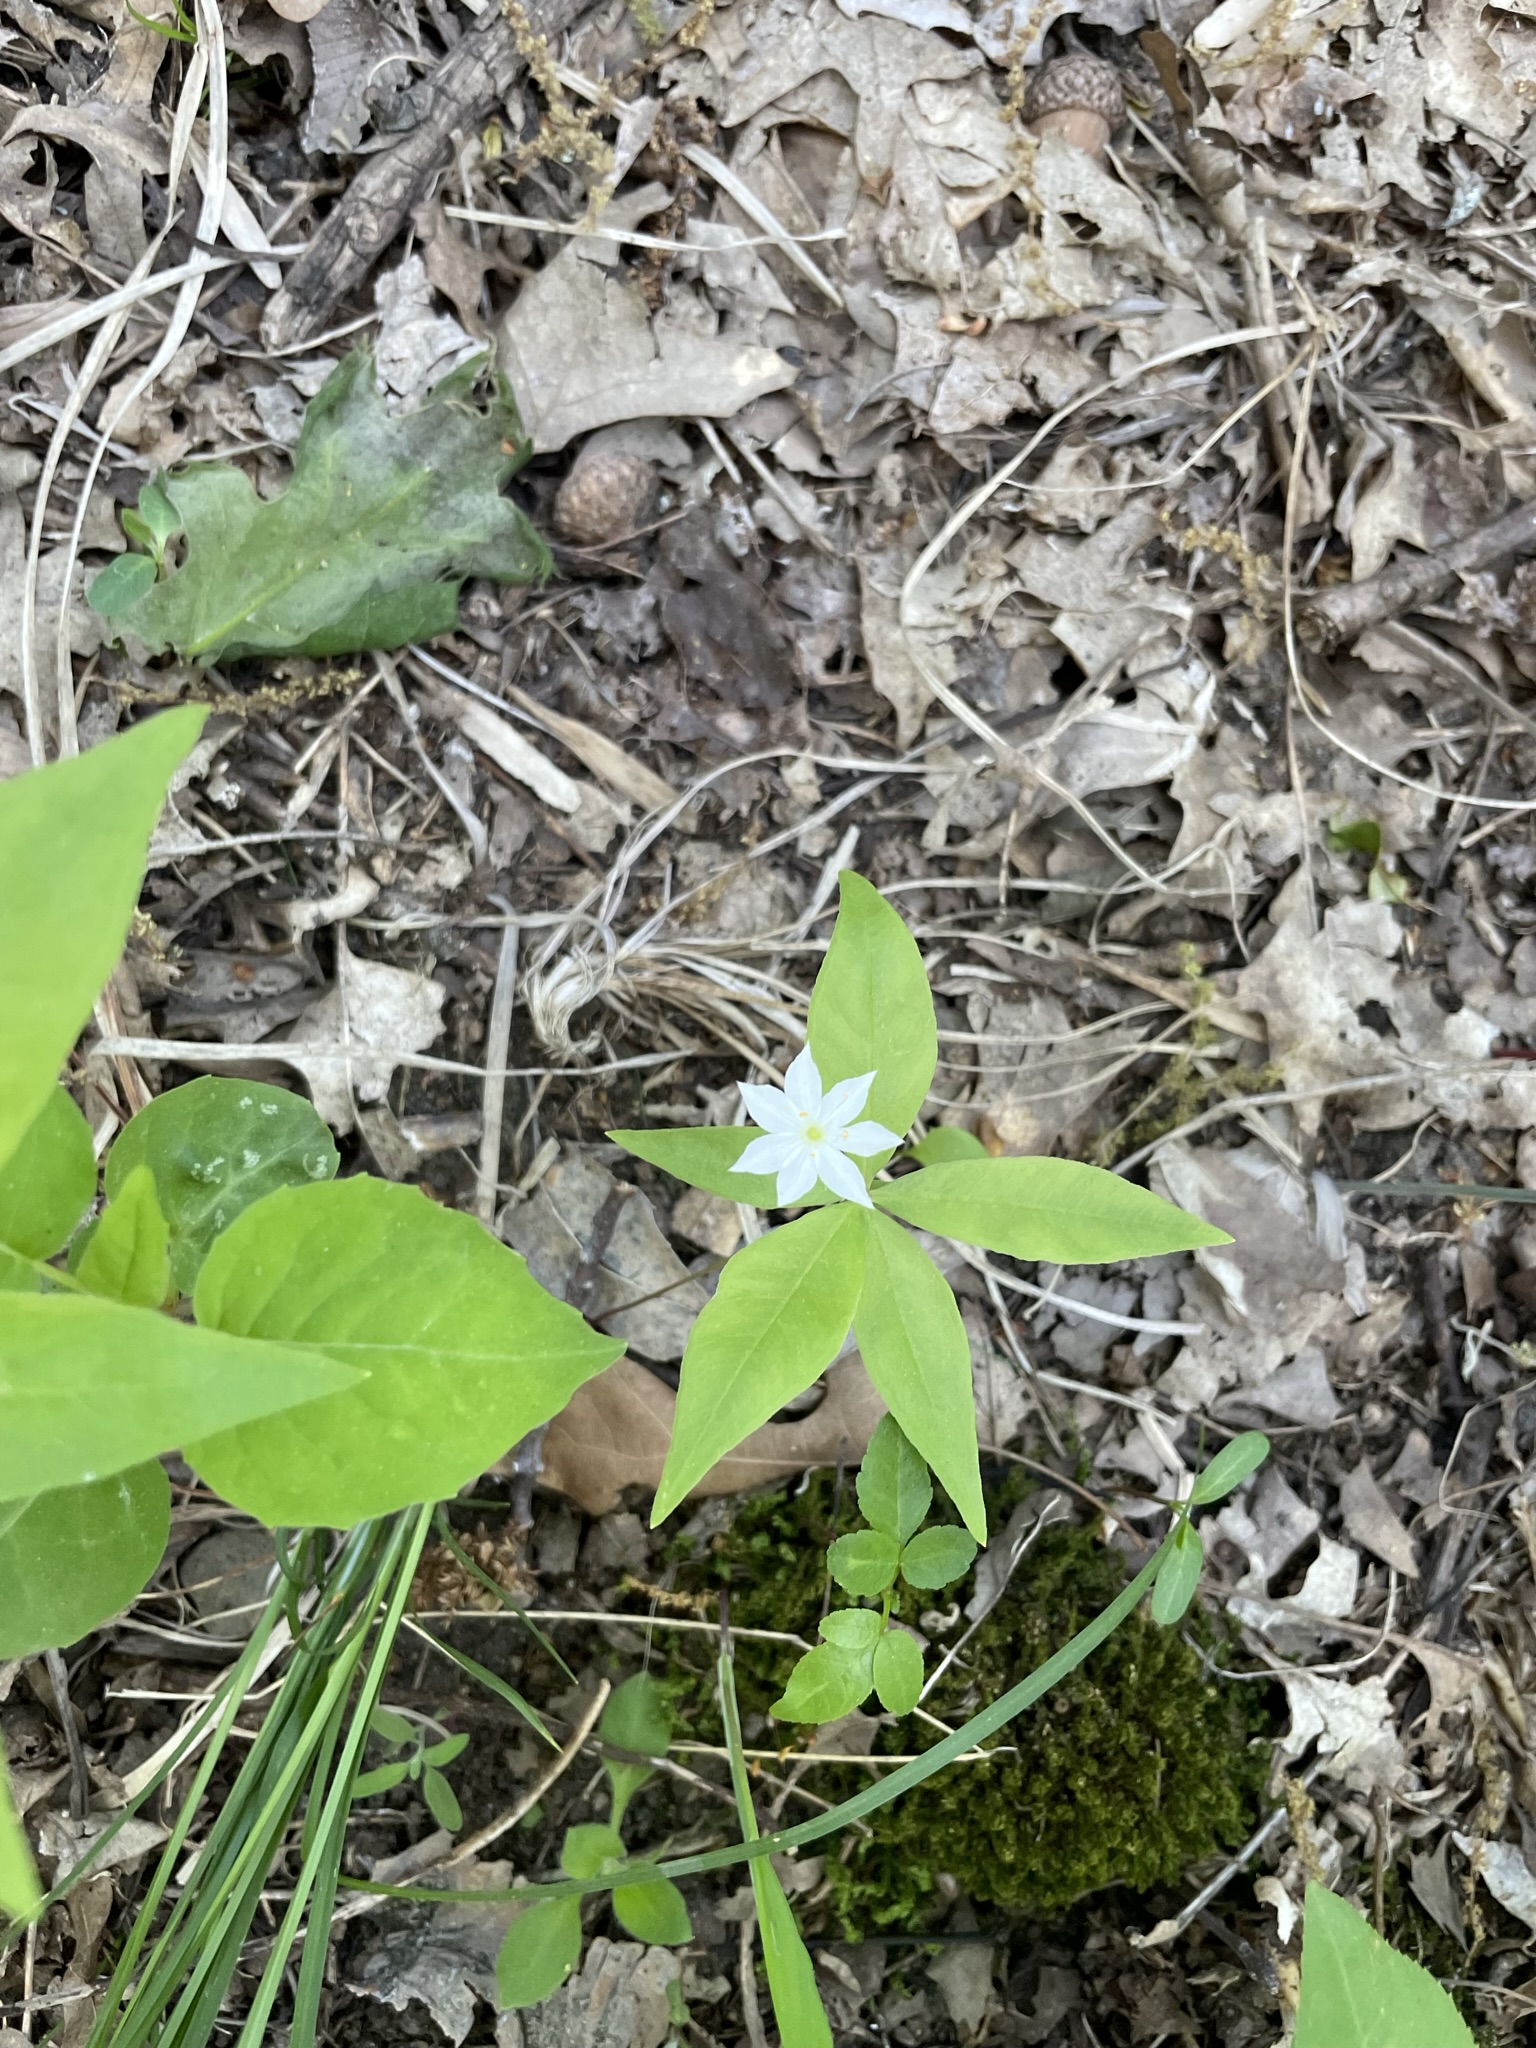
pixel 384 513
pixel 542 1947
pixel 442 1801
pixel 1230 1467
pixel 864 1564
pixel 90 1387
pixel 390 1726
pixel 871 1008
pixel 852 1628
pixel 387 1776
pixel 915 1349
pixel 827 1683
pixel 638 1716
pixel 215 1146
pixel 895 1491
pixel 937 1557
pixel 128 1257
pixel 465 1353
pixel 898 1671
pixel 1046 1209
pixel 1356 1992
pixel 159 515
pixel 778 1318
pixel 20 1893
pixel 797 2006
pixel 654 1912
pixel 704 1159
pixel 443 1753
pixel 1178 1578
pixel 73 1558
pixel 588 1847
pixel 946 1144
pixel 45 1188
pixel 124 583
pixel 72 841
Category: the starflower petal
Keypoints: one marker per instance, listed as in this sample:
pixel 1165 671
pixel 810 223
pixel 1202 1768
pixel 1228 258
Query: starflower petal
pixel 842 1176
pixel 866 1139
pixel 797 1177
pixel 802 1083
pixel 768 1108
pixel 843 1102
pixel 769 1155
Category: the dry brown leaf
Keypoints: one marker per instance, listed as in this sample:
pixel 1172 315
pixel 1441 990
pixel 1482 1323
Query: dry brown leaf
pixel 615 1430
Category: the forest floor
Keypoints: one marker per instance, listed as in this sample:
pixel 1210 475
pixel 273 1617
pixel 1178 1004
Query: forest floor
pixel 1114 552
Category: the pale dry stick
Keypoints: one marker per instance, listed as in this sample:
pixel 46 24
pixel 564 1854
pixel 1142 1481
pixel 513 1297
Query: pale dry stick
pixel 296 1054
pixel 962 516
pixel 1150 1326
pixel 486 217
pixel 1288 615
pixel 214 177
pixel 1016 1554
pixel 498 1038
pixel 475 831
pixel 124 298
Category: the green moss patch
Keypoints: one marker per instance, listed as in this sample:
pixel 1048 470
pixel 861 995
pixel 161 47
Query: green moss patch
pixel 1134 1768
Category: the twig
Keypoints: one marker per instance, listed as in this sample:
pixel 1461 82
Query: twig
pixel 1336 615
pixel 498 1037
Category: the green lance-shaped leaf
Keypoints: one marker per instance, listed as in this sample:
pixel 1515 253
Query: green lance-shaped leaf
pixel 90 1387
pixel 20 1893
pixel 442 1801
pixel 464 1352
pixel 1047 1209
pixel 871 1008
pixel 1178 1578
pixel 653 1911
pixel 128 1257
pixel 72 844
pixel 1357 1992
pixel 73 1558
pixel 915 1349
pixel 937 1557
pixel 214 1147
pixel 705 1157
pixel 542 1947
pixel 384 515
pixel 946 1144
pixel 1229 1468
pixel 45 1188
pixel 791 1975
pixel 778 1318
pixel 895 1491
pixel 865 1562
pixel 898 1671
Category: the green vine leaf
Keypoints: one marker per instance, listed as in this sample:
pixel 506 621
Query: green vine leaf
pixel 865 1563
pixel 898 1671
pixel 384 516
pixel 937 1557
pixel 827 1683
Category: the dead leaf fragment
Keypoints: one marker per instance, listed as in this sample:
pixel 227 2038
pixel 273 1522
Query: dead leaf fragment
pixel 1369 1518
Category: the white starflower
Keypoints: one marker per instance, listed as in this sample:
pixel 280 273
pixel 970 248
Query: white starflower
pixel 810 1133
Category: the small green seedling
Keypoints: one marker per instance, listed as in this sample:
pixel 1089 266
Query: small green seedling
pixel 422 1763
pixel 543 1944
pixel 862 1649
pixel 1178 1577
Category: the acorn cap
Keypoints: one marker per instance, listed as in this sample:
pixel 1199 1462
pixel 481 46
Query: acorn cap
pixel 1076 81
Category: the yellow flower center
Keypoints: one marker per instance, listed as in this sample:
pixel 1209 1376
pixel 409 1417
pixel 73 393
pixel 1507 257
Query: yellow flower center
pixel 814 1134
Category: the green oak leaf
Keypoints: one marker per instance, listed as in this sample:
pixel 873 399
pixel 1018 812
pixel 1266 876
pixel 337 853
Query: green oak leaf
pixel 215 1146
pixel 464 1352
pixel 871 1008
pixel 915 1349
pixel 72 1558
pixel 1045 1209
pixel 72 843
pixel 777 1319
pixel 384 515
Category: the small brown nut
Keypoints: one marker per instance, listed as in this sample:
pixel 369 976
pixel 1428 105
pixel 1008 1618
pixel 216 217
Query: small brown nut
pixel 1078 98
pixel 608 495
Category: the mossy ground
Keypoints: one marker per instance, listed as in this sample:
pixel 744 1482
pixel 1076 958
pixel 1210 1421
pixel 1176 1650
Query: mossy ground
pixel 1135 1767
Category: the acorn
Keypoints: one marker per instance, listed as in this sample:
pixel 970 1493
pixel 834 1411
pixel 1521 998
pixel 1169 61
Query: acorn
pixel 608 494
pixel 1078 98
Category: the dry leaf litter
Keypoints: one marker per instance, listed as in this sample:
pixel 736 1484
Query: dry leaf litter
pixel 1066 461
